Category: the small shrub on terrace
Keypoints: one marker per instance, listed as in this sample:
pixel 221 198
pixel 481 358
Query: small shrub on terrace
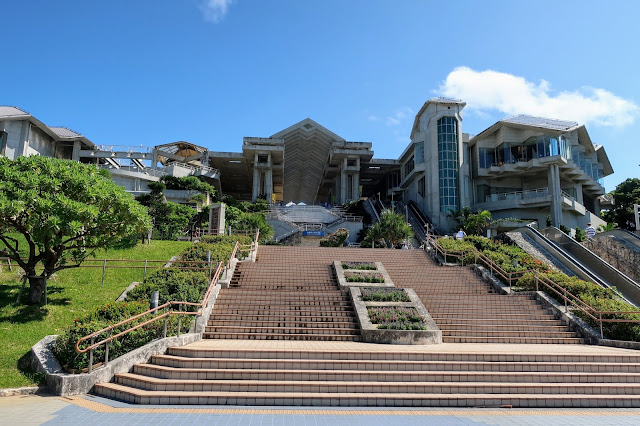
pixel 384 295
pixel 172 284
pixel 364 278
pixel 364 266
pixel 396 318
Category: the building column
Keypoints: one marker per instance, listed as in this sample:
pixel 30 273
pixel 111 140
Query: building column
pixel 356 186
pixel 23 146
pixel 75 154
pixel 343 187
pixel 154 159
pixel 269 185
pixel 256 184
pixel 556 194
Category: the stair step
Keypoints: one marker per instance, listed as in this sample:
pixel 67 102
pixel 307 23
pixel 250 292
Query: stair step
pixel 113 390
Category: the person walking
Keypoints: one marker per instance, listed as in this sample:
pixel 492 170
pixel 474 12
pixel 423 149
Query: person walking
pixel 590 231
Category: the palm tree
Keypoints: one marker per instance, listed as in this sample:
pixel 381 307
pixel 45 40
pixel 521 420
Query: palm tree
pixel 392 228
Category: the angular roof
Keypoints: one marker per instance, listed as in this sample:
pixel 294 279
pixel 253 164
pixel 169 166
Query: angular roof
pixel 65 132
pixel 544 123
pixel 11 111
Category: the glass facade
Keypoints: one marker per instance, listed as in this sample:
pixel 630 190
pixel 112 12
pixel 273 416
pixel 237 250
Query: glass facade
pixel 534 147
pixel 448 163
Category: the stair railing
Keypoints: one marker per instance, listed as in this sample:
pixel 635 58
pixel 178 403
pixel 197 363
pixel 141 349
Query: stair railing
pixel 168 307
pixel 568 299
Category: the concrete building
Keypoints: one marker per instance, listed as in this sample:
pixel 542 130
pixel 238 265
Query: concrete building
pixel 521 167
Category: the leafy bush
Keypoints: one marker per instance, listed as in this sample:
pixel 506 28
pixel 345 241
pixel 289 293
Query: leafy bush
pixel 336 239
pixel 173 285
pixel 573 285
pixel 613 330
pixel 396 318
pixel 384 295
pixel 64 347
pixel 363 278
pixel 189 183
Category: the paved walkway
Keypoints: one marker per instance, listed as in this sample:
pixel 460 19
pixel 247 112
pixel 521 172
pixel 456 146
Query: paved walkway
pixel 466 348
pixel 36 410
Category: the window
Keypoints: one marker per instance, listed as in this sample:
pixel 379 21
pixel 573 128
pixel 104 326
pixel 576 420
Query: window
pixel 487 157
pixel 409 166
pixel 421 186
pixel 448 163
pixel 351 162
pixel 263 158
pixel 418 152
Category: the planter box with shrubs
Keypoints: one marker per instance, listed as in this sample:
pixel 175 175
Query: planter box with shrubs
pixel 393 316
pixel 362 274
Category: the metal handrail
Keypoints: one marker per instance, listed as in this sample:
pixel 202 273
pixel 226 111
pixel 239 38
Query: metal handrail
pixel 202 305
pixel 567 297
pixel 164 316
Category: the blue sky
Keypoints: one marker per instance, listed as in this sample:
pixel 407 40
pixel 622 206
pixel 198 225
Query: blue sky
pixel 143 72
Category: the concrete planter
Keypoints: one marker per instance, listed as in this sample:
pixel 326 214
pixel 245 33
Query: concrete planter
pixel 342 280
pixel 372 334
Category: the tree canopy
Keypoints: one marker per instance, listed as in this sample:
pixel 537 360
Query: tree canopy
pixel 472 223
pixel 625 196
pixel 64 211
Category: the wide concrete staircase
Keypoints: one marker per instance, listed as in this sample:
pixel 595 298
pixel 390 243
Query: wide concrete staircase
pixel 466 309
pixel 358 374
pixel 283 301
pixel 283 334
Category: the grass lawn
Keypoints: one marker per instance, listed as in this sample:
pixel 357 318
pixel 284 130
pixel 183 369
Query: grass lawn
pixel 71 294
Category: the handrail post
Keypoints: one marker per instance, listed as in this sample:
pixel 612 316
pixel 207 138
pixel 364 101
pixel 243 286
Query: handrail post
pixel 164 332
pixel 93 340
pixel 566 307
pixel 601 332
pixel 537 279
pixel 179 318
pixel 104 270
pixel 106 352
pixel 144 275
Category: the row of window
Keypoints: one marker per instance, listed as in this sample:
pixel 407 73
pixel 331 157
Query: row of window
pixel 448 163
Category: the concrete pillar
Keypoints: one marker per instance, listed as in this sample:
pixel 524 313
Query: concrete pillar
pixel 24 140
pixel 343 187
pixel 75 154
pixel 269 185
pixel 556 194
pixel 256 184
pixel 356 185
pixel 154 159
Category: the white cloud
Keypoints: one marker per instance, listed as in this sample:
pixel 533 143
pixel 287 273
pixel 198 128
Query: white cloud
pixel 396 118
pixel 510 94
pixel 215 10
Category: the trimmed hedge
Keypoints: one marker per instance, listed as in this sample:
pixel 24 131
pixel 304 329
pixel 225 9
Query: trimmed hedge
pixel 172 285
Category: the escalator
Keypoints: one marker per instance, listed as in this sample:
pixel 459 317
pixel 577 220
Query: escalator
pixel 583 262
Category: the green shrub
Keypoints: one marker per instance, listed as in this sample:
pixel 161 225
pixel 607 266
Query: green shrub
pixel 363 277
pixel 336 239
pixel 396 318
pixel 612 330
pixel 363 266
pixel 384 295
pixel 172 285
pixel 64 347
